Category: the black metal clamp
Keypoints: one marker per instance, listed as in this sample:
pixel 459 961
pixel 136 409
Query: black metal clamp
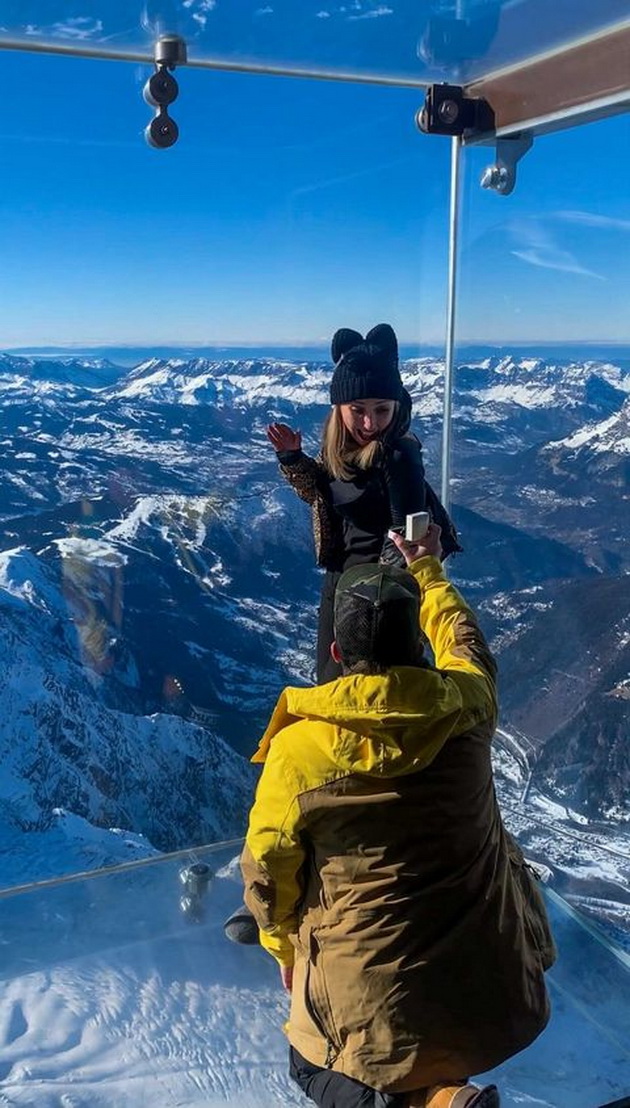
pixel 447 111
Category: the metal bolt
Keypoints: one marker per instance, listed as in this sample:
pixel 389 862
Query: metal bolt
pixel 448 111
pixel 495 177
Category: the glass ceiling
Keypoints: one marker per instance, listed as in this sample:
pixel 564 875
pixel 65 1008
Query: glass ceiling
pixel 404 41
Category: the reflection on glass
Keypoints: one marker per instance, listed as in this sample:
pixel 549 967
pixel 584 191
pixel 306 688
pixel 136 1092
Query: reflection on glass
pixel 540 458
pixel 92 574
pixel 438 40
pixel 112 994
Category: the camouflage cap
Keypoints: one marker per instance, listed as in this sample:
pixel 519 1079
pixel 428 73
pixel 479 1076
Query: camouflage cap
pixel 377 616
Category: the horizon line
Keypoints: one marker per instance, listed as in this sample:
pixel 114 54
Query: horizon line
pixel 302 344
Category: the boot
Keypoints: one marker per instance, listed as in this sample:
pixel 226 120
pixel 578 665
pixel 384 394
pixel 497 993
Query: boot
pixel 241 927
pixel 456 1096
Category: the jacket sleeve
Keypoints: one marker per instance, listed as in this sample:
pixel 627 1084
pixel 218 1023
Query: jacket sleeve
pixel 272 859
pixel 403 469
pixel 304 474
pixel 459 647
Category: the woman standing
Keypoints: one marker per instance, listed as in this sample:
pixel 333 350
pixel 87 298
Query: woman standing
pixel 369 474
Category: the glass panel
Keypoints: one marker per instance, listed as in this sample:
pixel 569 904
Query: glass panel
pixel 435 40
pixel 157 577
pixel 582 1059
pixel 540 465
pixel 111 995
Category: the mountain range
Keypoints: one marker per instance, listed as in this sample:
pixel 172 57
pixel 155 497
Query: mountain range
pixel 157 585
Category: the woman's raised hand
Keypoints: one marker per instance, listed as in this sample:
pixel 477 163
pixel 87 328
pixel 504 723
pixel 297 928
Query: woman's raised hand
pixel 283 437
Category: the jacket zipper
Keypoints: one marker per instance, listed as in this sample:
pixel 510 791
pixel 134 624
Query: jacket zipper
pixel 332 1052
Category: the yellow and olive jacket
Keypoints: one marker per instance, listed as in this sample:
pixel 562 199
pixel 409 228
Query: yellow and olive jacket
pixel 376 863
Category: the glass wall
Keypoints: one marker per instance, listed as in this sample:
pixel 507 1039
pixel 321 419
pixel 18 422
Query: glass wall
pixel 540 465
pixel 121 990
pixel 160 307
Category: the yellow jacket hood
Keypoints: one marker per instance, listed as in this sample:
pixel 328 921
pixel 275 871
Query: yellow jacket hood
pixel 388 724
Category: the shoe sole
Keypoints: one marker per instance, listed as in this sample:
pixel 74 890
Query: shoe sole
pixel 488 1098
pixel 243 932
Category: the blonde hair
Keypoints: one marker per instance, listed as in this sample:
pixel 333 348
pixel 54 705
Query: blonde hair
pixel 340 453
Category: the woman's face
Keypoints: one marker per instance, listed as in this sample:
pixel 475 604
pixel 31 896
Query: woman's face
pixel 366 420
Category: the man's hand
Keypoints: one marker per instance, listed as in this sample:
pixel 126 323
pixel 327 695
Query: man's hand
pixel 283 437
pixel 286 973
pixel 429 545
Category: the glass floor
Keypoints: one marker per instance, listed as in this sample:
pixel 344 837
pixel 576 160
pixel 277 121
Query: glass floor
pixel 113 995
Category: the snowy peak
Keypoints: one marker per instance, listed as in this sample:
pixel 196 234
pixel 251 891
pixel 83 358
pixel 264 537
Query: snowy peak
pixel 78 373
pixel 609 436
pixel 25 580
pixel 485 387
pixel 228 383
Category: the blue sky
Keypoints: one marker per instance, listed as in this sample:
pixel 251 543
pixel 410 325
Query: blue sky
pixel 289 208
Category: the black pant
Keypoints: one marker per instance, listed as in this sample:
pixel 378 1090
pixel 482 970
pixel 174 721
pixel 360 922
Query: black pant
pixel 327 669
pixel 334 1090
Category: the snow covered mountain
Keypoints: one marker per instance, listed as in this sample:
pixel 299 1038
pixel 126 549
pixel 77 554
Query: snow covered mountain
pixel 69 746
pixel 77 373
pixel 611 435
pixel 157 584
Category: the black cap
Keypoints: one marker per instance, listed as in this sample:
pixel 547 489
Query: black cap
pixel 377 616
pixel 365 368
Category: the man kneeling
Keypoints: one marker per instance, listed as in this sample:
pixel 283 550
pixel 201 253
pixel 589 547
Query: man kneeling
pixel 405 922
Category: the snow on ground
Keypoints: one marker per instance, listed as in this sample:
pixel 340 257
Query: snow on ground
pixel 109 998
pixel 607 435
pixel 187 514
pixel 522 394
pixel 22 578
pixel 91 550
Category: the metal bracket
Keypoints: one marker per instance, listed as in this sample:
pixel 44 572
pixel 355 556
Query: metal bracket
pixel 195 880
pixel 447 111
pixel 161 90
pixel 501 177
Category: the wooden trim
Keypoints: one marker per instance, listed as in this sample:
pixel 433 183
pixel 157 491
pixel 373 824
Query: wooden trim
pixel 569 85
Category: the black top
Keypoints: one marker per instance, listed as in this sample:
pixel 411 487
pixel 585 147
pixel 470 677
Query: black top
pixel 378 498
pixel 363 506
